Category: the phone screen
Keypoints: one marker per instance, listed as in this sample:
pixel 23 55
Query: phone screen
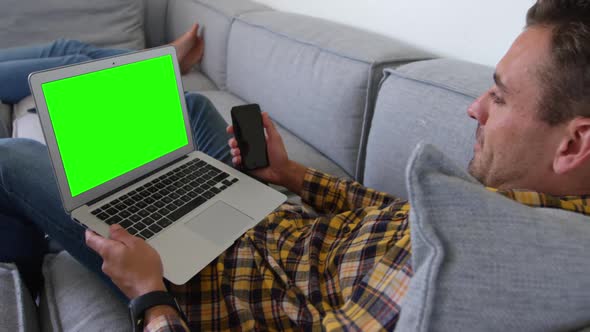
pixel 249 132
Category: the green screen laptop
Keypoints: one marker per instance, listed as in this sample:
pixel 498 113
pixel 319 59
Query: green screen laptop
pixel 122 150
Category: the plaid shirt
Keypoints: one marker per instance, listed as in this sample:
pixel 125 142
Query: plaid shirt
pixel 346 267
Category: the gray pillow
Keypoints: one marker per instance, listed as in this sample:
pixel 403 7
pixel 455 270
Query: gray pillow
pixel 105 23
pixel 17 310
pixel 483 262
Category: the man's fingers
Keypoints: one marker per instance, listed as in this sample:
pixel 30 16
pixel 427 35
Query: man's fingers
pixel 269 125
pixel 237 160
pixel 230 130
pixel 235 152
pixel 233 143
pixel 96 242
pixel 119 233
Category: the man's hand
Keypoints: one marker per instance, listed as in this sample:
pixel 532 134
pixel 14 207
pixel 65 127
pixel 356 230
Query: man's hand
pixel 133 265
pixel 281 171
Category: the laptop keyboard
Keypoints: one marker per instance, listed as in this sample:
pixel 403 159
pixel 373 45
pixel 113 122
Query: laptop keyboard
pixel 149 209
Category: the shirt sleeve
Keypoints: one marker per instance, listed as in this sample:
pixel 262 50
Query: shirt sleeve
pixel 328 194
pixel 166 323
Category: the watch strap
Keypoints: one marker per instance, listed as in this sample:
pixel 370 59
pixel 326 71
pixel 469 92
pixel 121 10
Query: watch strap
pixel 139 305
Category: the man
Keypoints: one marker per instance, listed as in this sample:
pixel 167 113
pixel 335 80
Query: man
pixel 348 267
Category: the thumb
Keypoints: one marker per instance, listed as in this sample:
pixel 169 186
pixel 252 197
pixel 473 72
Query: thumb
pixel 271 130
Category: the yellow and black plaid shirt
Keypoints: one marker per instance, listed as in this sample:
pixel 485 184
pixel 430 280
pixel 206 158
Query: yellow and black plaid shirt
pixel 346 267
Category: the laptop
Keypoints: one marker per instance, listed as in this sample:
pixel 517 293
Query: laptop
pixel 120 141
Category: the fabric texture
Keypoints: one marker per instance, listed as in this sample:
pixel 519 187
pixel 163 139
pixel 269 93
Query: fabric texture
pixel 105 23
pixel 345 268
pixel 196 81
pixel 316 78
pixel 75 299
pixel 423 101
pixel 155 22
pixel 482 262
pixel 26 124
pixel 18 311
pixel 298 150
pixel 215 18
pixel 5 120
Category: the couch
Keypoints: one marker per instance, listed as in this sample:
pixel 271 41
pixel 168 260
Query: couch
pixel 347 102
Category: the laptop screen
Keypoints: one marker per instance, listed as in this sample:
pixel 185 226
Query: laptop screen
pixel 109 122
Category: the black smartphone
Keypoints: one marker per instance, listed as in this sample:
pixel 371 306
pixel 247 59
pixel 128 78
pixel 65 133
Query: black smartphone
pixel 249 132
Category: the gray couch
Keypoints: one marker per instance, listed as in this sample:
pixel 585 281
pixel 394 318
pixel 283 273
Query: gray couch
pixel 348 102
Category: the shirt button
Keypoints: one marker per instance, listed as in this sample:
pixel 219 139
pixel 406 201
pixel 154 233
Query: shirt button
pixel 346 229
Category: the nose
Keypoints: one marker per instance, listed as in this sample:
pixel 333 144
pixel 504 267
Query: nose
pixel 477 110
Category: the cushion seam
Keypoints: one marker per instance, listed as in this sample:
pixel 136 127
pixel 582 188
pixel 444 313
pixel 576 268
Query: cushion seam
pixel 323 49
pixel 432 83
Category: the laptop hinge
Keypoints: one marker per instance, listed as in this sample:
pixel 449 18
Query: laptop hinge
pixel 94 201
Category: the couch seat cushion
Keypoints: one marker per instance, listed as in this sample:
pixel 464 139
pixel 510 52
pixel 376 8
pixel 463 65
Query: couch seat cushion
pixel 75 299
pixel 483 262
pixel 197 81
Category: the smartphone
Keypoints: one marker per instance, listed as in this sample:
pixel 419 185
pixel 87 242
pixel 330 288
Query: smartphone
pixel 249 132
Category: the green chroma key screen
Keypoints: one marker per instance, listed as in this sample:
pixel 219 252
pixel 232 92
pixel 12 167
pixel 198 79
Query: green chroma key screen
pixel 112 121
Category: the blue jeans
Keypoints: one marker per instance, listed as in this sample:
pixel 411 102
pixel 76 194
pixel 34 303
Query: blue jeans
pixel 30 205
pixel 17 63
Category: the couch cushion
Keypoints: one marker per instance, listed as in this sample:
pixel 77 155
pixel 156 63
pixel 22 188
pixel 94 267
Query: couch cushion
pixel 196 81
pixel 75 299
pixel 5 120
pixel 26 124
pixel 422 101
pixel 216 17
pixel 155 22
pixel 298 150
pixel 106 23
pixel 483 262
pixel 18 311
pixel 315 77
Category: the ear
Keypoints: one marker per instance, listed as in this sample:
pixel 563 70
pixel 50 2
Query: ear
pixel 574 150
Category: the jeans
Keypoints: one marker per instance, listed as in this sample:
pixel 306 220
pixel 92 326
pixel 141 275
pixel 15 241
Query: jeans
pixel 30 204
pixel 17 63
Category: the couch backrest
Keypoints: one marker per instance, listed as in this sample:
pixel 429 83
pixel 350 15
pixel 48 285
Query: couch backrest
pixel 216 17
pixel 422 101
pixel 105 23
pixel 316 78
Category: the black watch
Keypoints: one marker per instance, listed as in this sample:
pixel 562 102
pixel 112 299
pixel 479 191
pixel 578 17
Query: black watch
pixel 139 305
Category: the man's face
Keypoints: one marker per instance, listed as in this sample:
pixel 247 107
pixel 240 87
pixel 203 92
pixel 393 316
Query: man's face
pixel 514 149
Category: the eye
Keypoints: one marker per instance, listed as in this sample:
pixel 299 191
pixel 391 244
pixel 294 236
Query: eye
pixel 496 99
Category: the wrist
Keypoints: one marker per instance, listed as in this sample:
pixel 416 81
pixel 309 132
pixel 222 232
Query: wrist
pixel 293 176
pixel 158 311
pixel 148 288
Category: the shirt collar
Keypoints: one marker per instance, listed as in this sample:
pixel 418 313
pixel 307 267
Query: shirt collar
pixel 578 204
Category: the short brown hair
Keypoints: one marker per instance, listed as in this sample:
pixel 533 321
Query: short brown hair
pixel 566 80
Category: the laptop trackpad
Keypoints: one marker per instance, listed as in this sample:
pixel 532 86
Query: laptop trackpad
pixel 220 223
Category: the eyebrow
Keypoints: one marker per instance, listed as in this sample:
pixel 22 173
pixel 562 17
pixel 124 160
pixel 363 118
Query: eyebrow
pixel 500 84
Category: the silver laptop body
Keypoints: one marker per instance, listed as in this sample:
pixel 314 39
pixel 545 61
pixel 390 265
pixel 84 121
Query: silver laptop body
pixel 220 203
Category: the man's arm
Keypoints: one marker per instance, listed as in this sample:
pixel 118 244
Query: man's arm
pixel 322 191
pixel 136 268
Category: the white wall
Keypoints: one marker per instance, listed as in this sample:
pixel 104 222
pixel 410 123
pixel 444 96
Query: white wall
pixel 473 30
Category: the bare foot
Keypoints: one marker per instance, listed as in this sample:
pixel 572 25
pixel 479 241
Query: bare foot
pixel 189 49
